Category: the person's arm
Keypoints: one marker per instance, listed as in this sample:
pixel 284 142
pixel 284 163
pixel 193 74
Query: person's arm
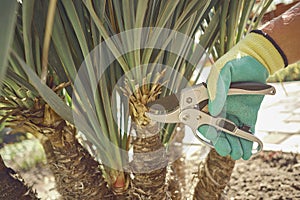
pixel 285 31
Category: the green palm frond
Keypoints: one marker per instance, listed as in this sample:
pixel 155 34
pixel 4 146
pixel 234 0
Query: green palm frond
pixel 26 66
pixel 7 24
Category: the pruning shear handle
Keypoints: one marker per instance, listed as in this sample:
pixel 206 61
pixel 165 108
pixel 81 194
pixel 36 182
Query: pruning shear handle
pixel 188 117
pixel 188 110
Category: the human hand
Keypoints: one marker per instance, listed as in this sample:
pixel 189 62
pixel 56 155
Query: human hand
pixel 252 59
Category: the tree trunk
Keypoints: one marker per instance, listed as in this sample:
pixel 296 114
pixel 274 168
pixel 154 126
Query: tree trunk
pixel 77 174
pixel 214 175
pixel 174 184
pixel 149 164
pixel 177 178
pixel 13 186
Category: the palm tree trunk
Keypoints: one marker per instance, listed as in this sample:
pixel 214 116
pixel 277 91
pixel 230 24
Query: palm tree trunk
pixel 149 164
pixel 174 184
pixel 13 186
pixel 77 174
pixel 177 178
pixel 214 175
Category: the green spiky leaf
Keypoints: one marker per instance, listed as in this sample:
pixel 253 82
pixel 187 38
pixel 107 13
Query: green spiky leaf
pixel 8 10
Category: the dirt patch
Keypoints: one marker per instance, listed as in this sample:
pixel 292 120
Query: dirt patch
pixel 270 175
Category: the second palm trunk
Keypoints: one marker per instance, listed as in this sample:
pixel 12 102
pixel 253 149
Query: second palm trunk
pixel 149 164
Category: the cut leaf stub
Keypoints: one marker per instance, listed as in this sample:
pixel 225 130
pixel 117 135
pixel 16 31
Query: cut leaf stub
pixel 139 96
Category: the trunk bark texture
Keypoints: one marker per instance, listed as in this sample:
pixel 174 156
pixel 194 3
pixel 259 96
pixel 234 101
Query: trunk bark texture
pixel 149 165
pixel 177 179
pixel 174 185
pixel 214 175
pixel 77 174
pixel 13 186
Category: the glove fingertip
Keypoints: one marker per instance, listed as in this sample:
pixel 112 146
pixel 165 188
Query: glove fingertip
pixel 236 147
pixel 247 149
pixel 247 156
pixel 222 146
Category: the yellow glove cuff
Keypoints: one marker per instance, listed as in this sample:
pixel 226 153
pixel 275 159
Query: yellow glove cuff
pixel 265 50
pixel 258 47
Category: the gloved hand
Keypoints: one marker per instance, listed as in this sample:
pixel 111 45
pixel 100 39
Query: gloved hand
pixel 252 59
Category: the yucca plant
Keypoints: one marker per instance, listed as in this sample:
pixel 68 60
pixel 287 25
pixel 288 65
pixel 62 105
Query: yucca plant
pixel 141 31
pixel 77 174
pixel 117 56
pixel 7 24
pixel 228 22
pixel 12 185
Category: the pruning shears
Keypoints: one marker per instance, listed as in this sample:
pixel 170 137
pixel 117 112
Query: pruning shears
pixel 187 107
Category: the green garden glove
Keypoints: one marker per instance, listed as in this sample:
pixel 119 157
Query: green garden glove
pixel 252 59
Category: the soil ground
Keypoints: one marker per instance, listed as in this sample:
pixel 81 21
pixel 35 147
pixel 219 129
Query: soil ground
pixel 269 175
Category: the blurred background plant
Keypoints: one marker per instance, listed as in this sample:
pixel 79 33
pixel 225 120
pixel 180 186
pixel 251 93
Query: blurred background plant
pixel 21 151
pixel 290 73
